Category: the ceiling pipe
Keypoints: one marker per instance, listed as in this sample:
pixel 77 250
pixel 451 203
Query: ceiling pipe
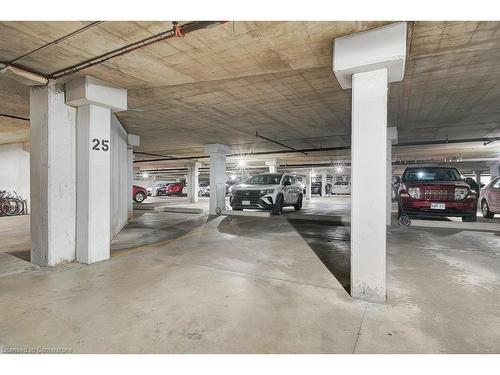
pixel 14 117
pixel 340 148
pixel 57 41
pixel 278 143
pixel 32 77
pixel 174 32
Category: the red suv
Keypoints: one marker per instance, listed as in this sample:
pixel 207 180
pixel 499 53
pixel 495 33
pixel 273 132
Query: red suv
pixel 436 192
pixel 139 193
pixel 173 189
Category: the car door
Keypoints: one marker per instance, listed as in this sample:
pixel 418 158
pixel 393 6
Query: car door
pixel 287 188
pixel 494 196
pixel 294 190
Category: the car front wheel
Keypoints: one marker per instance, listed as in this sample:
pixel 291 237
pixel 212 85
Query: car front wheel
pixel 485 210
pixel 298 205
pixel 278 206
pixel 139 197
pixel 469 219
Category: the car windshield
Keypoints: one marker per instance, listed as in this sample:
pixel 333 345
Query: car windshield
pixel 431 174
pixel 264 179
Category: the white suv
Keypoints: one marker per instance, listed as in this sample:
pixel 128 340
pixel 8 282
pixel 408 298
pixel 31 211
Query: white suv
pixel 269 191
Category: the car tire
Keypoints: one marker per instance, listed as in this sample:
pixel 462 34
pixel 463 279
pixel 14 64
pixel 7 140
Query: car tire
pixel 278 206
pixel 469 219
pixel 139 197
pixel 485 210
pixel 298 205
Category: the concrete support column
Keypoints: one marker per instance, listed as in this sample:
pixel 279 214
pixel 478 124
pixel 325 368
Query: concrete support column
pixel 367 61
pixel 245 175
pixel 95 100
pixel 273 165
pixel 308 185
pixel 477 175
pixel 130 180
pixel 52 176
pixel 392 137
pixel 132 141
pixel 217 154
pixel 192 181
pixel 368 201
pixel 323 183
pixel 495 170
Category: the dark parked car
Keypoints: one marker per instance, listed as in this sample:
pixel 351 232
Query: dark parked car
pixel 174 189
pixel 436 192
pixel 490 199
pixel 139 193
pixel 473 185
pixel 316 187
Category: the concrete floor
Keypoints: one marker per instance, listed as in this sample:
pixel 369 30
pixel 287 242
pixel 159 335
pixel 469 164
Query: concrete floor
pixel 257 285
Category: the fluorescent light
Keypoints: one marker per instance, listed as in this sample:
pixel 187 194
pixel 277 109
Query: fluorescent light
pixel 241 163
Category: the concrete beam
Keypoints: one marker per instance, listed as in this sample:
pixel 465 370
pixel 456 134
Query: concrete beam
pixel 89 90
pixel 383 47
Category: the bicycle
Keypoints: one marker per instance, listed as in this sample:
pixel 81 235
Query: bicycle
pixel 11 204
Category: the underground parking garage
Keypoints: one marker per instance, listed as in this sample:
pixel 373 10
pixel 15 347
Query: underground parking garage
pixel 253 187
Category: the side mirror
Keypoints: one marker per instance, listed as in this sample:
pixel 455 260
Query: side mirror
pixel 482 185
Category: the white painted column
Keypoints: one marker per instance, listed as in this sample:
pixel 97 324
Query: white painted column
pixel 273 165
pixel 478 177
pixel 368 201
pixel 192 182
pixel 130 180
pixel 495 170
pixel 132 141
pixel 52 176
pixel 95 100
pixel 323 183
pixel 217 154
pixel 367 61
pixel 308 185
pixel 392 136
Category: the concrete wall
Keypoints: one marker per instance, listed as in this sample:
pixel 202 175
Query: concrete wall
pixel 15 169
pixel 120 194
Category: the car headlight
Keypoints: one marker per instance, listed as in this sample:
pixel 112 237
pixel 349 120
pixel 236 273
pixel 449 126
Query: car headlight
pixel 266 191
pixel 461 193
pixel 414 192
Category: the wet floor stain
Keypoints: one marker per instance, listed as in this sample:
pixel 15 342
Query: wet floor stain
pixel 331 244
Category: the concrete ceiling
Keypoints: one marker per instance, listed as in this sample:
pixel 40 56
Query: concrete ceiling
pixel 224 83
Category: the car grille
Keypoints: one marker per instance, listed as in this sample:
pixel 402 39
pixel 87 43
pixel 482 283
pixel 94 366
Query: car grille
pixel 247 193
pixel 438 194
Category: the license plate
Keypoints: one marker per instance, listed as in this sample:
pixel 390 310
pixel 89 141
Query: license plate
pixel 245 203
pixel 438 206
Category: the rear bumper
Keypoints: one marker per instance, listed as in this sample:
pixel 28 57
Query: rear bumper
pixel 422 208
pixel 259 203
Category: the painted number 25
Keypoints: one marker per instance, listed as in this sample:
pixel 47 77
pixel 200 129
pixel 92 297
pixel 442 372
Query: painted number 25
pixel 100 144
